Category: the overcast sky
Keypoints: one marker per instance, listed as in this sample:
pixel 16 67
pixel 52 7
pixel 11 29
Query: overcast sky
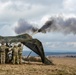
pixel 38 12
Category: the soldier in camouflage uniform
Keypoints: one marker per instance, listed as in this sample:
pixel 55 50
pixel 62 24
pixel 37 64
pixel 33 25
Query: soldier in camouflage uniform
pixel 20 53
pixel 3 48
pixel 7 52
pixel 15 55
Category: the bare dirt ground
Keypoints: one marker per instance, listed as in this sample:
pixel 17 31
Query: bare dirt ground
pixel 63 66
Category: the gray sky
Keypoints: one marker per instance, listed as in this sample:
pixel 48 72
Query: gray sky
pixel 38 12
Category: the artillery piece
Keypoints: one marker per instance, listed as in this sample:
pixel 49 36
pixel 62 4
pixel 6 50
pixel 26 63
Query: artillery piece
pixel 27 40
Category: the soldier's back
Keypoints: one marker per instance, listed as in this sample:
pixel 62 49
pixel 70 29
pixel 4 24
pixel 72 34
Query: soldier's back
pixel 15 50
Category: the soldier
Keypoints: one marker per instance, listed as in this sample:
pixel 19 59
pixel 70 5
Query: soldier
pixel 3 48
pixel 15 55
pixel 20 53
pixel 7 52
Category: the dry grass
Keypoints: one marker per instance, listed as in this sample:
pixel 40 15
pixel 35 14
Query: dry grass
pixel 63 66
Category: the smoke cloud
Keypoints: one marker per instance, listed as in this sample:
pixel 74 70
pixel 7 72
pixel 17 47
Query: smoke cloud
pixel 61 24
pixel 24 27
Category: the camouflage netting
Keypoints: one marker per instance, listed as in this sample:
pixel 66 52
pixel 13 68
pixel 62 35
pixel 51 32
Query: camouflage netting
pixel 34 44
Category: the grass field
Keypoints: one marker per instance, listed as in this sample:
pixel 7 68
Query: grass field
pixel 63 66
